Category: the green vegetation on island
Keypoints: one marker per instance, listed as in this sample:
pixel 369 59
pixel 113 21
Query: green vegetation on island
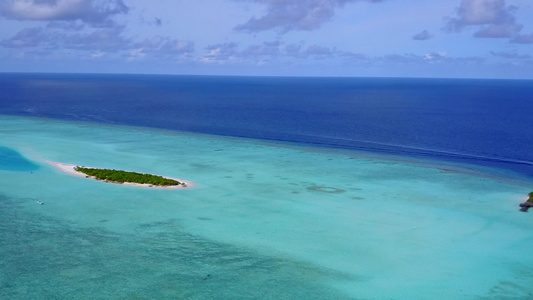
pixel 528 204
pixel 120 176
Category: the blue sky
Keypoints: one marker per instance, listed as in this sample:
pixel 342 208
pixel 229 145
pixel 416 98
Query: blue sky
pixel 383 38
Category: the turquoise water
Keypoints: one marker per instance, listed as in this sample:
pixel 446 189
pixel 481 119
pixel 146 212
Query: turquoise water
pixel 12 161
pixel 265 221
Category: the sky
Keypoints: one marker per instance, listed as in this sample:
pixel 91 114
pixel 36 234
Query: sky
pixel 359 38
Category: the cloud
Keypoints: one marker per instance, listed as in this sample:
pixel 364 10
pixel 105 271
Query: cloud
pixel 177 47
pixel 493 18
pixel 97 54
pixel 220 52
pixel 266 51
pixel 28 37
pixel 280 49
pixel 523 39
pixel 103 39
pixel 151 43
pixel 275 48
pixel 290 15
pixel 159 47
pixel 422 36
pixel 99 41
pixel 428 59
pixel 510 54
pixel 152 21
pixel 436 56
pixel 65 25
pixel 319 52
pixel 498 31
pixel 95 12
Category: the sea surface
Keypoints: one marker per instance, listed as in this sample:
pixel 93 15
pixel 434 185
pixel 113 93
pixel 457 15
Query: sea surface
pixel 305 188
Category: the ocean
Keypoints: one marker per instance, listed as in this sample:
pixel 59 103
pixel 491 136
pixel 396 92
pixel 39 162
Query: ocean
pixel 305 188
pixel 483 122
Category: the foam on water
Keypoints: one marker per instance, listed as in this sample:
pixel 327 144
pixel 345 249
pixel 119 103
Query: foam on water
pixel 264 221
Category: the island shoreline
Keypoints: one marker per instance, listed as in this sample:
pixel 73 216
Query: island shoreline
pixel 71 170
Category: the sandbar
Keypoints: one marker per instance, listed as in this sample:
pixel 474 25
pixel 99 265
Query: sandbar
pixel 71 169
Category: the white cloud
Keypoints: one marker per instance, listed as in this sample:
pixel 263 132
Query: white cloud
pixel 159 47
pixel 478 12
pixel 88 11
pixel 223 52
pixel 436 56
pixel 492 18
pixel 178 47
pixel 294 14
pixel 279 49
pixel 136 54
pixel 97 54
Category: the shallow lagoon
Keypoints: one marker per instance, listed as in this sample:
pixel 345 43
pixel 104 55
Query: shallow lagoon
pixel 264 221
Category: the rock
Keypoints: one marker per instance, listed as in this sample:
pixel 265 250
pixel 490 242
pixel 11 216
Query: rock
pixel 526 205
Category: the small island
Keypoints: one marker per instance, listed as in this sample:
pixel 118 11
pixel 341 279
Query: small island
pixel 119 176
pixel 526 205
pixel 122 177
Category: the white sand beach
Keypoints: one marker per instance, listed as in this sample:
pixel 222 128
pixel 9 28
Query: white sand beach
pixel 71 169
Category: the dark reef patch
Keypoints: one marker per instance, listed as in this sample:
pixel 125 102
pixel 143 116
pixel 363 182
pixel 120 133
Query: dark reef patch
pixel 325 189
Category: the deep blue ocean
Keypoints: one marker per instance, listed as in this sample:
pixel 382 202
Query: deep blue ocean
pixel 481 122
